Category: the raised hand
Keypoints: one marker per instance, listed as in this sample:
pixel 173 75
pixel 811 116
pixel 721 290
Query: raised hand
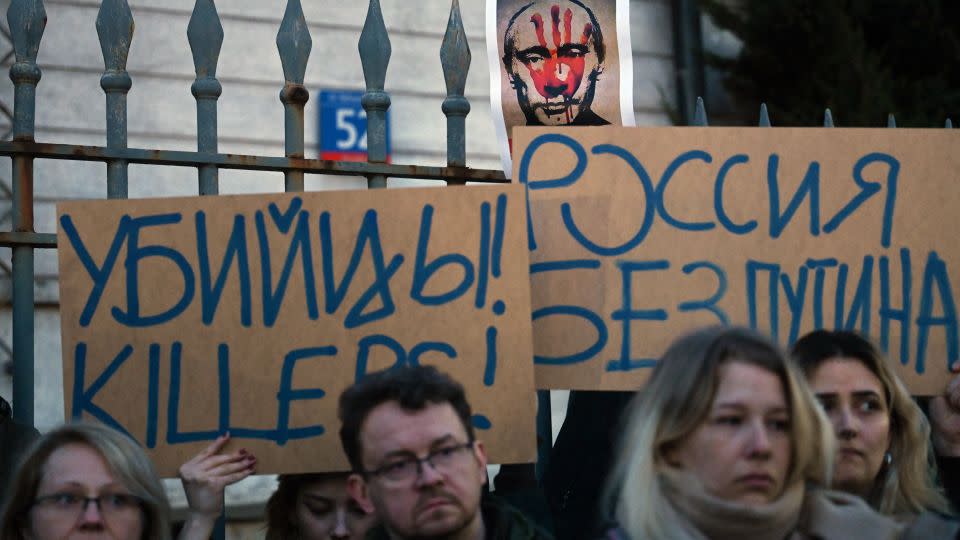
pixel 204 478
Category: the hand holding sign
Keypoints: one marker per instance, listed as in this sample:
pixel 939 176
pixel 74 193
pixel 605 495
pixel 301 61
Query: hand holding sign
pixel 184 319
pixel 637 235
pixel 204 479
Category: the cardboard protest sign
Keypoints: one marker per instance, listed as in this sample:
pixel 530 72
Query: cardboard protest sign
pixel 638 235
pixel 185 318
pixel 558 63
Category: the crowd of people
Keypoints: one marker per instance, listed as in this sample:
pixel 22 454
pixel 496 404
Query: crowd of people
pixel 728 441
pixel 731 437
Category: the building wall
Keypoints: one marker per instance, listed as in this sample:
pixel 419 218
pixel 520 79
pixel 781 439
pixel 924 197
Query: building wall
pixel 162 114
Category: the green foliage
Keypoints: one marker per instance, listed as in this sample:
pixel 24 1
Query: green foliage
pixel 863 59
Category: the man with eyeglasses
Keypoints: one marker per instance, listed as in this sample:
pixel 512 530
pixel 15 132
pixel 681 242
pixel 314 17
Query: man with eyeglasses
pixel 408 434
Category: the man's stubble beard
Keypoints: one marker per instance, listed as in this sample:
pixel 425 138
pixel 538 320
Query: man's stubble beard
pixel 453 534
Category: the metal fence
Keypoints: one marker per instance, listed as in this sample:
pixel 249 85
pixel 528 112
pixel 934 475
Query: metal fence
pixel 115 29
pixel 115 25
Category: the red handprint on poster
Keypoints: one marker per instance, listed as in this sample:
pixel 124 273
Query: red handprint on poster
pixel 553 65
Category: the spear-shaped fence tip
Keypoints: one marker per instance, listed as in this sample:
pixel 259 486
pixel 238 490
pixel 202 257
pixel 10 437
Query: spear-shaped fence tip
pixel 764 116
pixel 455 53
pixel 294 43
pixel 26 20
pixel 115 30
pixel 205 34
pixel 374 47
pixel 700 114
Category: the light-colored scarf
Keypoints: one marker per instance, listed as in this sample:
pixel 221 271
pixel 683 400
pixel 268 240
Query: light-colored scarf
pixel 797 514
pixel 833 514
pixel 706 517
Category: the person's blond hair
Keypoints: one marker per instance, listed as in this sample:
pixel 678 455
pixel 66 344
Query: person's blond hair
pixel 125 459
pixel 676 400
pixel 908 483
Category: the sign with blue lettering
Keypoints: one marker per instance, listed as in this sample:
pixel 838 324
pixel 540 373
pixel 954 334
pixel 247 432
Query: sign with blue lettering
pixel 343 126
pixel 640 234
pixel 186 318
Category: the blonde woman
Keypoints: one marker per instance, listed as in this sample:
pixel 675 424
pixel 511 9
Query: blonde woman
pixel 88 480
pixel 727 441
pixel 883 450
pixel 85 480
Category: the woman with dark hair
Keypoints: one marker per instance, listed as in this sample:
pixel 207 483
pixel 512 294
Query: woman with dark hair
pixel 883 450
pixel 315 507
pixel 310 506
pixel 726 440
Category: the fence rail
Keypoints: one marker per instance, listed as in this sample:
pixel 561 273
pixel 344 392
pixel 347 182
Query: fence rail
pixel 249 162
pixel 115 29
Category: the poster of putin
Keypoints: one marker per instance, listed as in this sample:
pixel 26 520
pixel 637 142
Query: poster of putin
pixel 558 63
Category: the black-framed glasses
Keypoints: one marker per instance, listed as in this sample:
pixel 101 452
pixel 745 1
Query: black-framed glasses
pixel 71 505
pixel 442 460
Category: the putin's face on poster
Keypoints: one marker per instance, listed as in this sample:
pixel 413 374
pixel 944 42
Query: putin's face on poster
pixel 553 55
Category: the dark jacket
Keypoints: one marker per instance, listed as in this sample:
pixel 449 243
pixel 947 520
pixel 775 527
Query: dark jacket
pixel 948 468
pixel 580 462
pixel 502 522
pixel 14 440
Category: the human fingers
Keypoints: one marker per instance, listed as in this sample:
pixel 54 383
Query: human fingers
pixel 218 477
pixel 217 460
pixel 217 445
pixel 211 449
pixel 196 470
pixel 226 470
pixel 238 476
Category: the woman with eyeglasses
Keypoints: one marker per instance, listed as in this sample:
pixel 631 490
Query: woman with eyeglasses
pixel 86 480
pixel 89 480
pixel 726 441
